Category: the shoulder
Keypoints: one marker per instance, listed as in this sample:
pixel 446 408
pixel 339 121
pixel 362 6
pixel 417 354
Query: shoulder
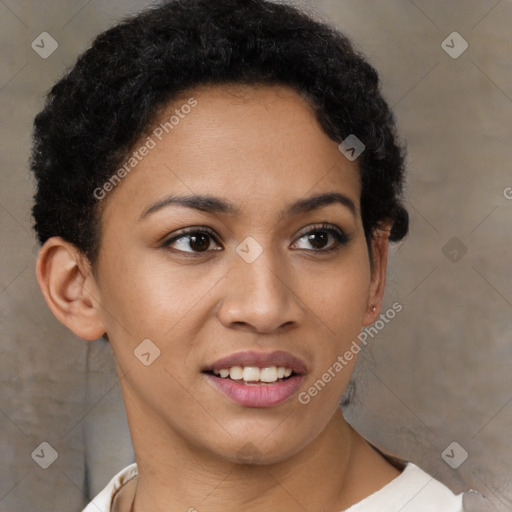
pixel 413 490
pixel 103 501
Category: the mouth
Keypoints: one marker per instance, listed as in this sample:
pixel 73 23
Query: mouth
pixel 255 367
pixel 253 375
pixel 257 379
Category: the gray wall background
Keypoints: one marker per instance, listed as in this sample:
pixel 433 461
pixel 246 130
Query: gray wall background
pixel 440 372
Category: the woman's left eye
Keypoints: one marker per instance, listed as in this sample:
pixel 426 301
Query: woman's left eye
pixel 319 238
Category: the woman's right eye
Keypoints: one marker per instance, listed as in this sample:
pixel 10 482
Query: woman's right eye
pixel 196 240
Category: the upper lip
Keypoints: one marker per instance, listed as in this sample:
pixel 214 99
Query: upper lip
pixel 259 359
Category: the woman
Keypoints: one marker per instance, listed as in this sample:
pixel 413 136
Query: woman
pixel 218 184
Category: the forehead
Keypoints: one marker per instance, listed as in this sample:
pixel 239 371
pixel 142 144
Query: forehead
pixel 261 143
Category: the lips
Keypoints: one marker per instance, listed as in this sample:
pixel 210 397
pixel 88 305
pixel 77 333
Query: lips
pixel 257 394
pixel 258 359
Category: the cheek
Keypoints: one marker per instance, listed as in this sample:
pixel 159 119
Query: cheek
pixel 148 297
pixel 339 302
pixel 339 321
pixel 341 306
pixel 339 295
pixel 151 310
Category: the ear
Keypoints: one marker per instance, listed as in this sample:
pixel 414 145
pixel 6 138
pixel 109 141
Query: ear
pixel 379 244
pixel 69 288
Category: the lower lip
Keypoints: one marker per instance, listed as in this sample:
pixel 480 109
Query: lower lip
pixel 257 395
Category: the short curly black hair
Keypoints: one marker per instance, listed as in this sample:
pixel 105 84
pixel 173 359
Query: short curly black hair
pixel 95 114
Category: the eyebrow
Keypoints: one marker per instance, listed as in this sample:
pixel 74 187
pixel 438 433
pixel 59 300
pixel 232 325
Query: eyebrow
pixel 211 204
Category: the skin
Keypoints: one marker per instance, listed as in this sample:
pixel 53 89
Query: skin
pixel 259 148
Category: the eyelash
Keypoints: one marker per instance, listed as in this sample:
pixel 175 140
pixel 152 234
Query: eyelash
pixel 340 237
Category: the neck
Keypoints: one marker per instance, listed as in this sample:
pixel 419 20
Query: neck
pixel 339 465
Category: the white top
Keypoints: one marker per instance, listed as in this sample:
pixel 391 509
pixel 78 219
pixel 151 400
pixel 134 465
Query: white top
pixel 412 491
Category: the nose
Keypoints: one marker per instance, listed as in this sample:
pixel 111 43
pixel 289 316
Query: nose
pixel 260 297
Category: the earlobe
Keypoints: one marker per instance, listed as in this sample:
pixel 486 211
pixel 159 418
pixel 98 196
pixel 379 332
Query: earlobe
pixel 69 288
pixel 380 245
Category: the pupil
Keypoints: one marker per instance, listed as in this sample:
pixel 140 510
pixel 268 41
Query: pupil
pixel 323 236
pixel 200 247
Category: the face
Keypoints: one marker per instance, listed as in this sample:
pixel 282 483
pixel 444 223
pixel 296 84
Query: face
pixel 255 267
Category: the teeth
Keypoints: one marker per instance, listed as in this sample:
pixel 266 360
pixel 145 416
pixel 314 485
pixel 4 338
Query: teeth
pixel 250 373
pixel 236 372
pixel 254 374
pixel 268 374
